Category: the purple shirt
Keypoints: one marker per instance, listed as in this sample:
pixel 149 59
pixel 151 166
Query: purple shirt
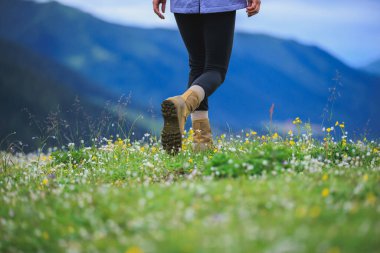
pixel 206 6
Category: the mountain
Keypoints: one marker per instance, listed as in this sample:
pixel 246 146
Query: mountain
pixel 152 64
pixel 33 89
pixel 373 67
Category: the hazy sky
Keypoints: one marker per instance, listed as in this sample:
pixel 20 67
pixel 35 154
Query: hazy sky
pixel 349 29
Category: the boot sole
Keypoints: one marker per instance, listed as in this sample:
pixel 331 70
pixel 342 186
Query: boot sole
pixel 171 137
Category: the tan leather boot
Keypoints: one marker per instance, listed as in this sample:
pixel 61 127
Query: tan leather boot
pixel 175 111
pixel 202 139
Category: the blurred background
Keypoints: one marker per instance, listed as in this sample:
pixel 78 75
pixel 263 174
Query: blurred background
pixel 73 70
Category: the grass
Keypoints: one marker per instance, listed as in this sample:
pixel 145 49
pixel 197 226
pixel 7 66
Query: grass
pixel 252 193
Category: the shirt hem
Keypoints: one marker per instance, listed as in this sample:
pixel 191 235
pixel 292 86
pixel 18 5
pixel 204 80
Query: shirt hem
pixel 203 10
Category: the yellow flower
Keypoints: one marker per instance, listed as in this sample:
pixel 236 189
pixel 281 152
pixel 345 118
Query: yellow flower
pixel 315 212
pixel 134 249
pixel 336 123
pixel 215 150
pixel 297 121
pixel 325 177
pixel 45 181
pixel 371 198
pixel 375 150
pixel 247 134
pixel 246 141
pixel 291 142
pixel 45 235
pixel 275 136
pixel 301 212
pixel 253 133
pixel 328 129
pixel 325 192
pixel 290 132
pixel 341 125
pixel 142 149
pixel 70 229
pixel 334 250
pixel 365 178
pixel 190 160
pixel 94 158
pixel 154 149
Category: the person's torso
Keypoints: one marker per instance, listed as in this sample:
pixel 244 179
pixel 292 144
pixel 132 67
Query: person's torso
pixel 206 6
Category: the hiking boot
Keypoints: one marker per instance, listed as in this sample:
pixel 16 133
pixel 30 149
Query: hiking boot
pixel 175 111
pixel 202 139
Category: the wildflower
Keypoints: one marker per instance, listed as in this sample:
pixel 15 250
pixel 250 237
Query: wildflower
pixel 365 178
pixel 341 125
pixel 371 198
pixel 315 212
pixel 70 229
pixel 290 132
pixel 134 249
pixel 45 181
pixel 301 212
pixel 142 149
pixel 325 177
pixel 253 133
pixel 375 150
pixel 325 192
pixel 297 121
pixel 45 235
pixel 246 142
pixel 154 149
pixel 336 123
pixel 291 142
pixel 119 142
pixel 334 250
pixel 215 150
pixel 190 160
pixel 275 136
pixel 247 134
pixel 328 129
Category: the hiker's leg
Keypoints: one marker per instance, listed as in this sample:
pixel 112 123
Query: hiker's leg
pixel 218 32
pixel 191 29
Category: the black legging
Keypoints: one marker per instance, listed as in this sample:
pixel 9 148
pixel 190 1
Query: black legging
pixel 208 39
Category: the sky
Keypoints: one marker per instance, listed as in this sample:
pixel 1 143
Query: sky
pixel 349 29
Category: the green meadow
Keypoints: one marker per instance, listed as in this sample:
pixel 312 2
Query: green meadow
pixel 251 193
